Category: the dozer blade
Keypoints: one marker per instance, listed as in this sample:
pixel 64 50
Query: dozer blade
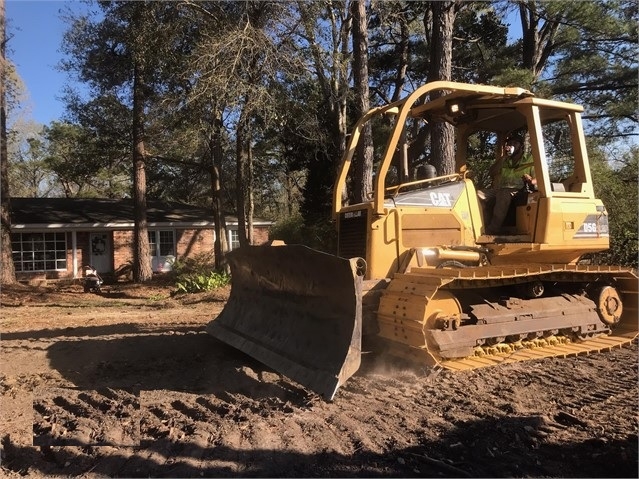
pixel 298 311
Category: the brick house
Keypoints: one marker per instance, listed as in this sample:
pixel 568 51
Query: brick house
pixel 54 238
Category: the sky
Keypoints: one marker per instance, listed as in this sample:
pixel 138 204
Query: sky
pixel 34 33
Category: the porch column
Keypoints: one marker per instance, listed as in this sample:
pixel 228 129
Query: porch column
pixel 74 254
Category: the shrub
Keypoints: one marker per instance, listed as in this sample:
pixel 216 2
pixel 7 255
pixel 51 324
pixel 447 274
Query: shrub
pixel 319 234
pixel 197 274
pixel 195 283
pixel 288 230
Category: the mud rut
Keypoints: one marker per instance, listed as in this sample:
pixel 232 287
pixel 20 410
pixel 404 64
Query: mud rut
pixel 142 391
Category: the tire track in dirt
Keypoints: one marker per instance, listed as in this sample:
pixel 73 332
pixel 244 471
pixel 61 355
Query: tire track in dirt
pixel 71 417
pixel 210 428
pixel 604 409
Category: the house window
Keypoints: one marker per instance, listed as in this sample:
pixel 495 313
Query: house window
pixel 39 251
pixel 234 240
pixel 162 243
pixel 162 250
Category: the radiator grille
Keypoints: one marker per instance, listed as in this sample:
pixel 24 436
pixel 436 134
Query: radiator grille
pixel 352 234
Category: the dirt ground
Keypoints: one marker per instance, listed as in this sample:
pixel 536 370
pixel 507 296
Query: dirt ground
pixel 128 384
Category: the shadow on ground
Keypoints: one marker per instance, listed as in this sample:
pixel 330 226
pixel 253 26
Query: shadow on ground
pixel 429 459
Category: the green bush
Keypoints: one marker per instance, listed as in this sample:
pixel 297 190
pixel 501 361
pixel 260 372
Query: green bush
pixel 288 230
pixel 320 235
pixel 199 263
pixel 197 274
pixel 196 283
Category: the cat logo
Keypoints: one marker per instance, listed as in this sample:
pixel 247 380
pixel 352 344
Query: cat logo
pixel 441 199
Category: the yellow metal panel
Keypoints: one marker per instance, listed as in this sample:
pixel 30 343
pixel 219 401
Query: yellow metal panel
pixel 421 229
pixel 562 218
pixel 419 220
pixel 527 216
pixel 423 238
pixel 383 248
pixel 471 206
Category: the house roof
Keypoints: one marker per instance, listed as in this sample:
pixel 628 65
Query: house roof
pixel 105 213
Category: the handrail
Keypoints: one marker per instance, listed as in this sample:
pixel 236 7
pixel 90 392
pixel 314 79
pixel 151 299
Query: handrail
pixel 395 189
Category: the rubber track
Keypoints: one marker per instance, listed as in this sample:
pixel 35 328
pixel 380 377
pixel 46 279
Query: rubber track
pixel 425 282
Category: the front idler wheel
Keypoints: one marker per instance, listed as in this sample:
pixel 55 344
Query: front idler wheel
pixel 609 305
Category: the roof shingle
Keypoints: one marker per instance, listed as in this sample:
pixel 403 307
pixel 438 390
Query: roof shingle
pixel 99 211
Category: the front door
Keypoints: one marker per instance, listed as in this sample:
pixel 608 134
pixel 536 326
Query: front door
pixel 101 252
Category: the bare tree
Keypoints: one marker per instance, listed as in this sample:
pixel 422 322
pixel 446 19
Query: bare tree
pixel 330 59
pixel 239 53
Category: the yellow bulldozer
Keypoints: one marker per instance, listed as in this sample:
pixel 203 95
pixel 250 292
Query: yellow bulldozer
pixel 415 267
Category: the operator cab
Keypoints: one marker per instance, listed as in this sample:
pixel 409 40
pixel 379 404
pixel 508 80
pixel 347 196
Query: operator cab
pixel 549 138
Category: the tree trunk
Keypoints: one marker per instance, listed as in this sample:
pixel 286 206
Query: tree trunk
pixel 7 269
pixel 141 263
pixel 241 154
pixel 363 167
pixel 220 245
pixel 341 85
pixel 289 185
pixel 441 55
pixel 249 191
